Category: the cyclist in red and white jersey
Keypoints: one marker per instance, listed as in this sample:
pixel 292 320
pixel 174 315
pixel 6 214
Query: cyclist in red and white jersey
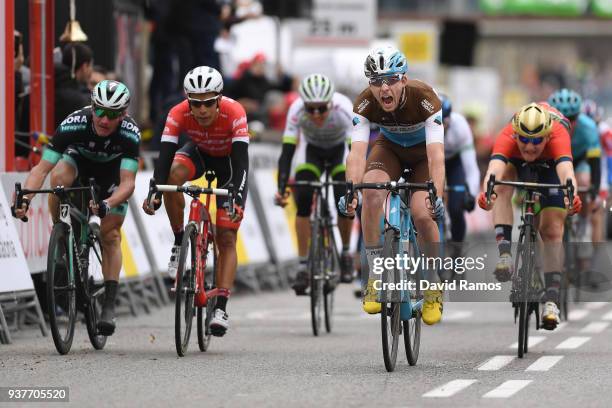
pixel 218 140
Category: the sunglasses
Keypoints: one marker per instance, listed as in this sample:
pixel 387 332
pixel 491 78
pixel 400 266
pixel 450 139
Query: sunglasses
pixel 533 140
pixel 321 109
pixel 111 114
pixel 209 103
pixel 390 80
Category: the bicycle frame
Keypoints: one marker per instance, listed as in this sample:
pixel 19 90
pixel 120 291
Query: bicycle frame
pixel 200 216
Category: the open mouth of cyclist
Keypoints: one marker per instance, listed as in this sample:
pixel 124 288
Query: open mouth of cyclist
pixel 387 100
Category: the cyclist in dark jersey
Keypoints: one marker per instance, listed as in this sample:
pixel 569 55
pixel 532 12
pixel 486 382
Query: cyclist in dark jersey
pixel 99 141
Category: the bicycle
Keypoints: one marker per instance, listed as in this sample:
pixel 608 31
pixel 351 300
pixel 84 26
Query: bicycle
pixel 323 258
pixel 400 311
pixel 74 266
pixel 195 284
pixel 527 288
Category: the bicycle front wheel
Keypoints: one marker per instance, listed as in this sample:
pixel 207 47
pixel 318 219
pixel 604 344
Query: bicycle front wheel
pixel 95 285
pixel 390 323
pixel 317 278
pixel 524 267
pixel 185 289
pixel 61 296
pixel 205 313
pixel 412 327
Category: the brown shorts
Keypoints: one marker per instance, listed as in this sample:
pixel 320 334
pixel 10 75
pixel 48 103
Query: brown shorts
pixel 393 159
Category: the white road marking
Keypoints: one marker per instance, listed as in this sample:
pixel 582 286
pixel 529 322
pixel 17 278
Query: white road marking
pixel 595 327
pixel 577 314
pixel 544 363
pixel 507 389
pixel 533 341
pixel 449 389
pixel 607 316
pixel 595 305
pixel 495 363
pixel 573 343
pixel 457 315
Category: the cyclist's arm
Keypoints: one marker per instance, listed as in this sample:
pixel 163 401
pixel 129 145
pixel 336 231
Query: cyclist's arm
pixel 240 165
pixel 565 170
pixel 167 149
pixel 37 176
pixel 356 160
pixel 496 168
pixel 434 139
pixel 127 183
pixel 290 137
pixel 468 155
pixel 128 170
pixel 594 160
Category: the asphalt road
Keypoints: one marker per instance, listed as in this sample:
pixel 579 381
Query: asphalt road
pixel 270 358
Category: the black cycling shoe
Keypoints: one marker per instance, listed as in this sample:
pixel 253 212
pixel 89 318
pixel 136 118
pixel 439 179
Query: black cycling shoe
pixel 346 268
pixel 302 281
pixel 106 324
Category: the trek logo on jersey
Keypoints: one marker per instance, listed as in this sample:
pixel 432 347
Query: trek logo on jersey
pixel 356 121
pixel 74 119
pixel 364 104
pixel 427 106
pixel 239 122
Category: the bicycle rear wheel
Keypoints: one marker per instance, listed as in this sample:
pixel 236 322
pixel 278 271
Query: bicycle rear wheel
pixel 205 313
pixel 185 289
pixel 412 327
pixel 317 278
pixel 524 267
pixel 61 295
pixel 390 323
pixel 95 285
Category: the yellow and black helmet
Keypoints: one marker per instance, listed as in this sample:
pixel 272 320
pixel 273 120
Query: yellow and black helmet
pixel 532 120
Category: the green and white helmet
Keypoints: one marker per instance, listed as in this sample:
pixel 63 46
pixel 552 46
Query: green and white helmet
pixel 316 88
pixel 110 94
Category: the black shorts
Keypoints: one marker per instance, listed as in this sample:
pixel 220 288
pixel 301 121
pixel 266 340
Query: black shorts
pixel 198 162
pixel 547 174
pixel 106 174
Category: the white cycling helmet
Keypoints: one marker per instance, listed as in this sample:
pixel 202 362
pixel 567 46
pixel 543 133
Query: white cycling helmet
pixel 316 88
pixel 202 80
pixel 386 60
pixel 110 94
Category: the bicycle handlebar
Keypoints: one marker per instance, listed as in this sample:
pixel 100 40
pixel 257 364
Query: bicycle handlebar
pixel 529 186
pixel 391 186
pixel 59 190
pixel 191 190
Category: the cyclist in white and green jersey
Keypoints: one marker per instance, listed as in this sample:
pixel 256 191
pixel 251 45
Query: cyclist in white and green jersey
pixel 317 126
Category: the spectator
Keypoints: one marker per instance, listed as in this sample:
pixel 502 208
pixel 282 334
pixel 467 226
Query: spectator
pixel 22 99
pixel 252 87
pixel 71 80
pixel 98 74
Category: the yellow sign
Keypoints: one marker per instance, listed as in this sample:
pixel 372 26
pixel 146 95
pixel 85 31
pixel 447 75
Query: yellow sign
pixel 417 46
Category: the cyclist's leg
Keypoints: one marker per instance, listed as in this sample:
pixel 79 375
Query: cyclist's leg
pixel 503 219
pixel 583 178
pixel 187 165
pixel 382 165
pixel 551 224
pixel 455 176
pixel 428 237
pixel 345 224
pixel 63 174
pixel 226 235
pixel 107 178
